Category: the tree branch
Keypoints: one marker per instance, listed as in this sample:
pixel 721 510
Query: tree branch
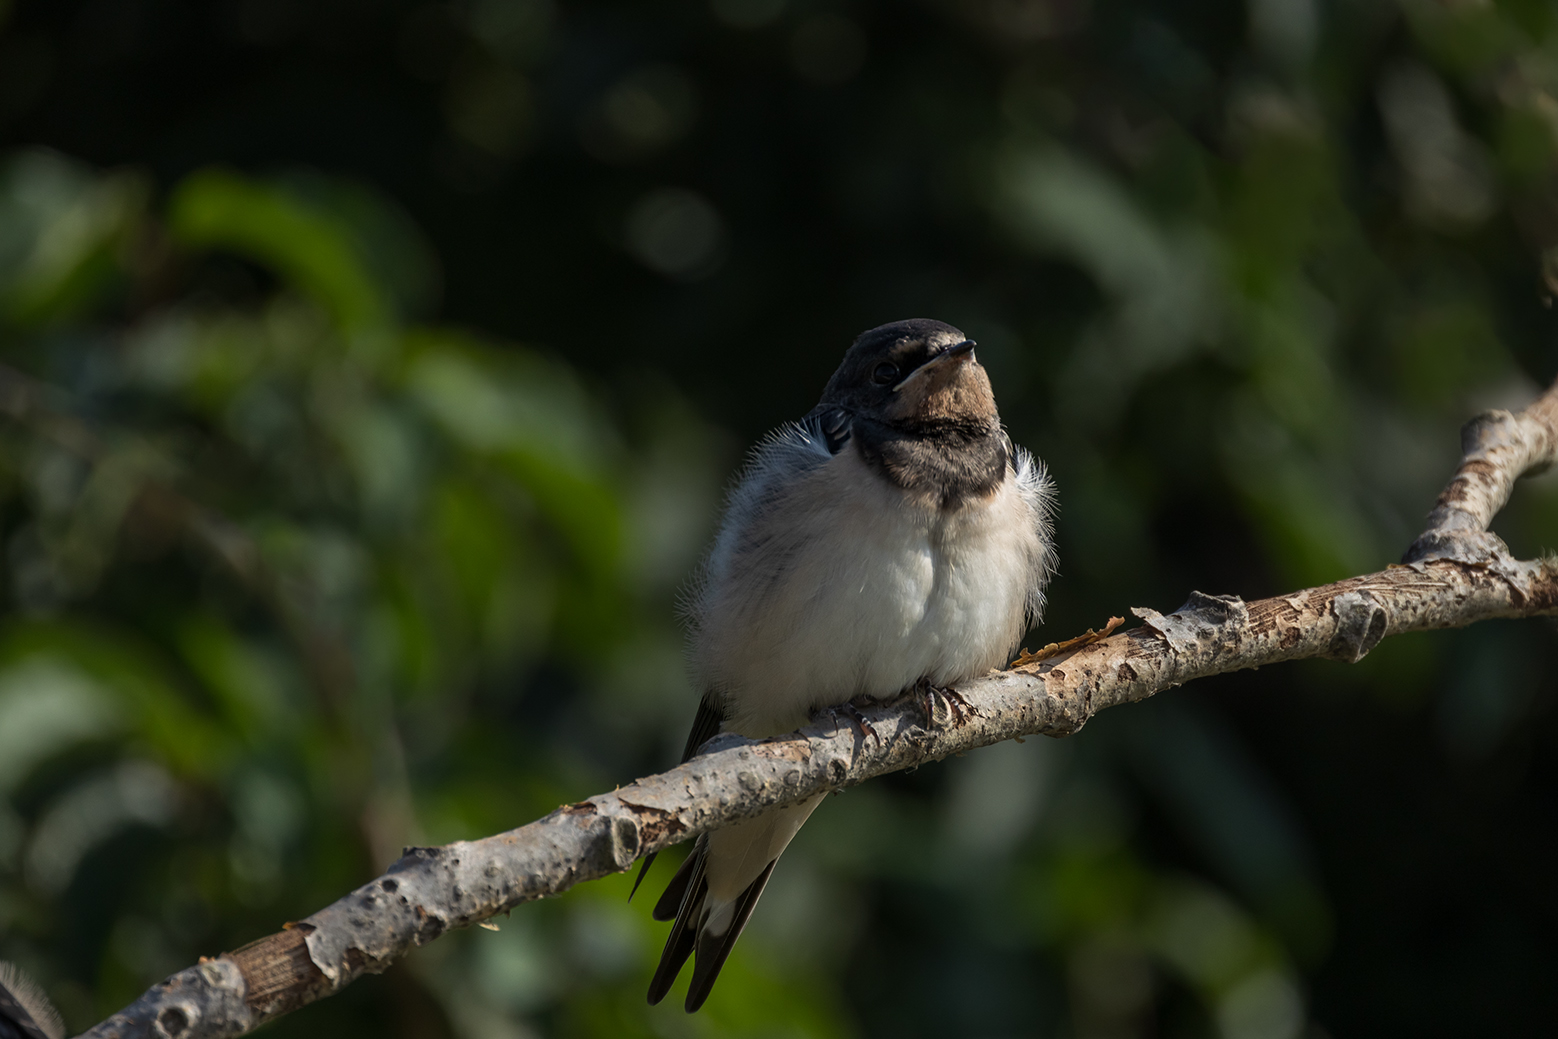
pixel 1455 574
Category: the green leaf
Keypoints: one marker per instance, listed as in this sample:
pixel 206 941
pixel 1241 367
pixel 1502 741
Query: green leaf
pixel 310 248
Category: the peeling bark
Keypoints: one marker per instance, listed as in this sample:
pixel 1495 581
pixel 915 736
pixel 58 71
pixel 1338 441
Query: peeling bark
pixel 1454 575
pixel 1497 448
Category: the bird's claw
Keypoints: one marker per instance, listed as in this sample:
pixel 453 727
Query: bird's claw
pixel 859 721
pixel 958 710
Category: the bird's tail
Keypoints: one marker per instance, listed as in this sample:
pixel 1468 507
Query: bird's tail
pixel 704 926
pixel 712 896
pixel 25 1012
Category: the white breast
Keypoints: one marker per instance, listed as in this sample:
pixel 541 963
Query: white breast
pixel 828 583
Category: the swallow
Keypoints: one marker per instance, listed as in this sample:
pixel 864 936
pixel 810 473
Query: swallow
pixel 892 539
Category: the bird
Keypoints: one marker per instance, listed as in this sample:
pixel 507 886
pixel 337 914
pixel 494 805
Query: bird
pixel 25 1012
pixel 893 539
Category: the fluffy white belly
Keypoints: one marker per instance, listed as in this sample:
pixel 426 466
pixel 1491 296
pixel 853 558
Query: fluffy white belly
pixel 851 587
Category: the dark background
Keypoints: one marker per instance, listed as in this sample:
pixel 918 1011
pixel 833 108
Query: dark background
pixel 1238 271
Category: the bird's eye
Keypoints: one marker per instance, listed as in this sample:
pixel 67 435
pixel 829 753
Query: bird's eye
pixel 884 373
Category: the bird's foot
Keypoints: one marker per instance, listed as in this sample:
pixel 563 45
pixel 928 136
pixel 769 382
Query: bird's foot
pixel 859 721
pixel 954 710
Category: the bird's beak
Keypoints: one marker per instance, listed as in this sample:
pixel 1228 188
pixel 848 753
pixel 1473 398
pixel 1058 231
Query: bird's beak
pixel 943 362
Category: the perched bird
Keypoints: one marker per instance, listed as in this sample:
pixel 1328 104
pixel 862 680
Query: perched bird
pixel 25 1012
pixel 892 538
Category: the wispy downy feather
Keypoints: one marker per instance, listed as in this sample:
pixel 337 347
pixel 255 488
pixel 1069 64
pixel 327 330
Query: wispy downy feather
pixel 23 1004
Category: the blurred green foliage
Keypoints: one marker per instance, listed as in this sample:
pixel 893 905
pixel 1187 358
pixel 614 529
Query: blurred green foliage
pixel 270 562
pixel 299 569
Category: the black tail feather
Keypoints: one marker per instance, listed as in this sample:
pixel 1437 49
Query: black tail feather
pixel 675 893
pixel 712 950
pixel 643 870
pixel 684 932
pixel 683 896
pixel 678 947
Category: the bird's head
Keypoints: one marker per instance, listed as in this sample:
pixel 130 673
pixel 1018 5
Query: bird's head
pixel 914 375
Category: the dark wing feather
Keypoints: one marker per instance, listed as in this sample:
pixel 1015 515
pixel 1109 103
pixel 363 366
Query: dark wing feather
pixel 713 950
pixel 705 726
